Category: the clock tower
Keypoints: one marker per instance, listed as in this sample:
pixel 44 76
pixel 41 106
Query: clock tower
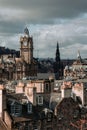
pixel 26 49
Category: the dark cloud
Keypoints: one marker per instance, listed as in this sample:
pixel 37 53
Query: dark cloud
pixel 44 11
pixel 49 21
pixel 11 28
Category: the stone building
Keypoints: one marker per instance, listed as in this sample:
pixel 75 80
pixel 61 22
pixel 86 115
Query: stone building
pixel 79 91
pixel 78 69
pixel 66 90
pixel 24 66
pixel 28 107
pixel 66 112
pixel 37 91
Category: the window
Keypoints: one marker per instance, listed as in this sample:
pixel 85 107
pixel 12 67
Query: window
pixel 47 87
pixel 40 100
pixel 16 109
pixel 19 67
pixel 56 84
pixel 49 117
pixel 27 126
pixel 72 94
pixel 29 108
pixel 41 87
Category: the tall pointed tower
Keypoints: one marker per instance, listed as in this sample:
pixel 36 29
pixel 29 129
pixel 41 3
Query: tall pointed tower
pixel 58 66
pixel 26 50
pixel 57 53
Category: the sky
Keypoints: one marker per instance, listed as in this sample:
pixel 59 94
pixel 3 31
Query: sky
pixel 49 22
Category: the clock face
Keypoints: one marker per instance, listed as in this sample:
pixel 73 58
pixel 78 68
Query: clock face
pixel 25 43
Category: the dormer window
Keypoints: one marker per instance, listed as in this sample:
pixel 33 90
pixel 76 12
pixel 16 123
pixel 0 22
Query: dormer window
pixel 16 109
pixel 40 100
pixel 47 89
pixel 29 108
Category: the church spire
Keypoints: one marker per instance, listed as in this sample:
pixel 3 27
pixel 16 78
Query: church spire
pixel 78 55
pixel 57 53
pixel 58 66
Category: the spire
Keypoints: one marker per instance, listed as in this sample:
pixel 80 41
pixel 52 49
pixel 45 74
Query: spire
pixel 26 31
pixel 78 55
pixel 57 53
pixel 58 66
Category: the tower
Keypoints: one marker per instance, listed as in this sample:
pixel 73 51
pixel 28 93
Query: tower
pixel 26 49
pixel 25 65
pixel 79 56
pixel 57 53
pixel 58 66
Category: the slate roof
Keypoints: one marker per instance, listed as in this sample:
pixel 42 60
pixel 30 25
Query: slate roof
pixel 17 97
pixel 45 75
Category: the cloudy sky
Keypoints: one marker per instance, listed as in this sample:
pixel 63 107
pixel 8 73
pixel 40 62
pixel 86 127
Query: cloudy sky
pixel 49 22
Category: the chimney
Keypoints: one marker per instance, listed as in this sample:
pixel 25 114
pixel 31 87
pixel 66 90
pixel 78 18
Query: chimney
pixel 2 101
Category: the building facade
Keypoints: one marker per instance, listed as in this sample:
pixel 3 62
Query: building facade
pixel 25 65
